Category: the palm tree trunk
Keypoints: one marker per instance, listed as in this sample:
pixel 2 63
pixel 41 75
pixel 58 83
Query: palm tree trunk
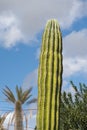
pixel 18 116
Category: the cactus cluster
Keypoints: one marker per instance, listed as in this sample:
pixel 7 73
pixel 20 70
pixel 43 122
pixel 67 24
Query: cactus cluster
pixel 50 78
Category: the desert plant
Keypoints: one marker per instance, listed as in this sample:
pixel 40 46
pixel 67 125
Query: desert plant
pixel 73 112
pixel 50 78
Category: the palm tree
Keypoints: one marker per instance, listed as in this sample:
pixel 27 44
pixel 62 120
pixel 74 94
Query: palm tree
pixel 2 119
pixel 22 98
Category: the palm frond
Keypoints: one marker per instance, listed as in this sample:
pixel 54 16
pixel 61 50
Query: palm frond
pixel 19 93
pixel 32 101
pixel 13 118
pixel 2 118
pixel 26 98
pixel 29 90
pixel 9 94
pixel 26 95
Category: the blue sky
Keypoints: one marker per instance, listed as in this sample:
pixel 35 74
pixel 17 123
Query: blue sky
pixel 21 28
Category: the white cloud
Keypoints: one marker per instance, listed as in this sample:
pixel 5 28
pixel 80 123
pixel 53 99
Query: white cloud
pixel 78 10
pixel 75 53
pixel 74 65
pixel 34 14
pixel 10 34
pixel 75 44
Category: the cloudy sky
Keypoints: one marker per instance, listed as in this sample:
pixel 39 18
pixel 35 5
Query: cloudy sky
pixel 21 28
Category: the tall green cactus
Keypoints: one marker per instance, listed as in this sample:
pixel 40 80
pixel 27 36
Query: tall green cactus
pixel 50 78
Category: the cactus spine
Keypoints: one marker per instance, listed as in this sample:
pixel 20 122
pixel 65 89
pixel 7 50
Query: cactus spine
pixel 50 78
